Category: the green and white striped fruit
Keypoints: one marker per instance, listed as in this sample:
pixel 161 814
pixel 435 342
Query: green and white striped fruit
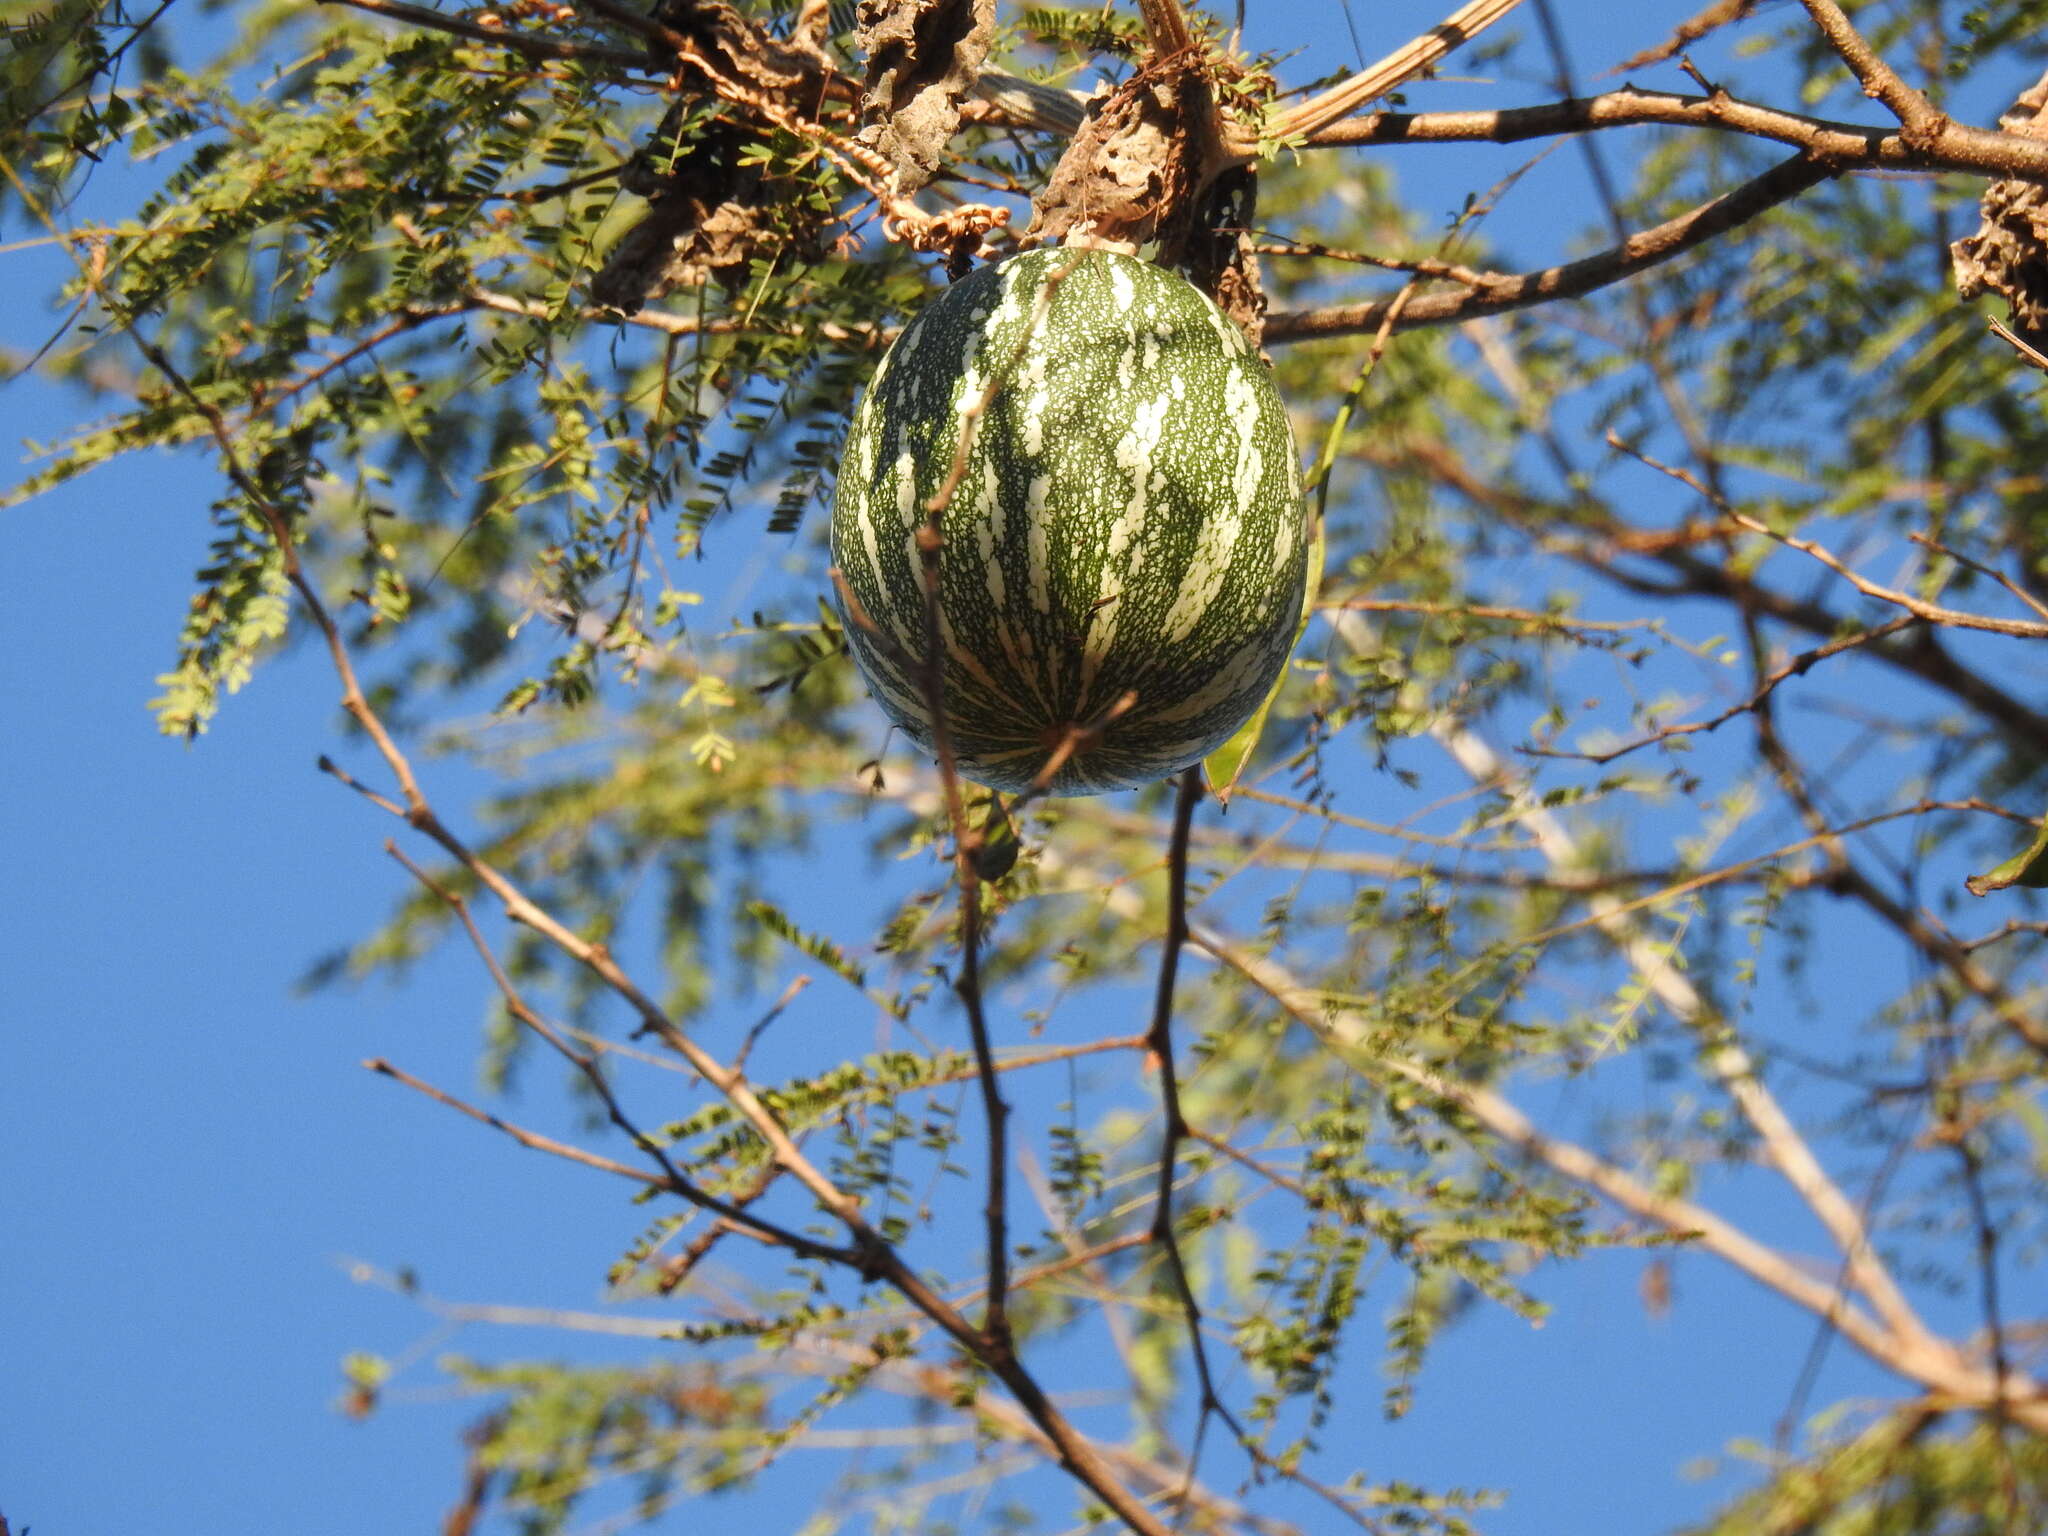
pixel 1126 519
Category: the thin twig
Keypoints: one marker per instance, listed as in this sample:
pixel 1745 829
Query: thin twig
pixel 789 993
pixel 1716 15
pixel 1174 1125
pixel 1880 81
pixel 1928 541
pixel 1530 617
pixel 966 838
pixel 1797 666
pixel 683 1265
pixel 1076 739
pixel 1933 613
pixel 586 1062
pixel 524 1137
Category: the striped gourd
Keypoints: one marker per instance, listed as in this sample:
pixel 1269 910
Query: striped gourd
pixel 1126 519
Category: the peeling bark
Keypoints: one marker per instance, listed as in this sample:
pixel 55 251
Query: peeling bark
pixel 924 57
pixel 1140 155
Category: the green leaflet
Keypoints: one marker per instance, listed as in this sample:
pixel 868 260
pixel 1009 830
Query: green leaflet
pixel 2028 867
pixel 1222 768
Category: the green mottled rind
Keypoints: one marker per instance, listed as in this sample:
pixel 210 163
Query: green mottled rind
pixel 1130 519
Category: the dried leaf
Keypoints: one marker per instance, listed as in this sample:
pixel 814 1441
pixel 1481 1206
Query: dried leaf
pixel 2008 255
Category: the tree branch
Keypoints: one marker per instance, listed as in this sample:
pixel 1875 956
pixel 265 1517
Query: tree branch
pixel 530 44
pixel 1497 293
pixel 525 1138
pixel 1920 1358
pixel 585 1062
pixel 1920 608
pixel 1846 146
pixel 1919 653
pixel 1724 1056
pixel 1797 666
pixel 1174 1127
pixel 1920 118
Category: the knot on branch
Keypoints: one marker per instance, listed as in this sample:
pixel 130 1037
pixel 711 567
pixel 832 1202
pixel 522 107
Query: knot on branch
pixel 2008 255
pixel 924 57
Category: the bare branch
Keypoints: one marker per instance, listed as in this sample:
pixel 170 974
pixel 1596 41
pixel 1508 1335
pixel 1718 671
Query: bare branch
pixel 931 673
pixel 1845 146
pixel 1932 613
pixel 1497 294
pixel 1919 653
pixel 1797 666
pixel 1174 1126
pixel 1920 1357
pixel 1719 14
pixel 524 1137
pixel 585 1062
pixel 1724 1056
pixel 1928 541
pixel 1921 119
pixel 1529 618
pixel 529 44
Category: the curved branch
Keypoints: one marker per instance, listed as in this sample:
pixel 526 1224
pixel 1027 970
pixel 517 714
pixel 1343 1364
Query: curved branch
pixel 1493 294
pixel 1850 146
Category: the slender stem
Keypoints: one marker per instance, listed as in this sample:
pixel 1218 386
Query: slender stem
pixel 966 867
pixel 520 1134
pixel 1933 613
pixel 931 671
pixel 586 1062
pixel 1174 1128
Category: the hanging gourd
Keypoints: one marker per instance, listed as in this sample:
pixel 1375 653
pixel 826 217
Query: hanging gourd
pixel 1122 544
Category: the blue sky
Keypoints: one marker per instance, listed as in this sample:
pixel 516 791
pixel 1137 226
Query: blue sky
pixel 192 1158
